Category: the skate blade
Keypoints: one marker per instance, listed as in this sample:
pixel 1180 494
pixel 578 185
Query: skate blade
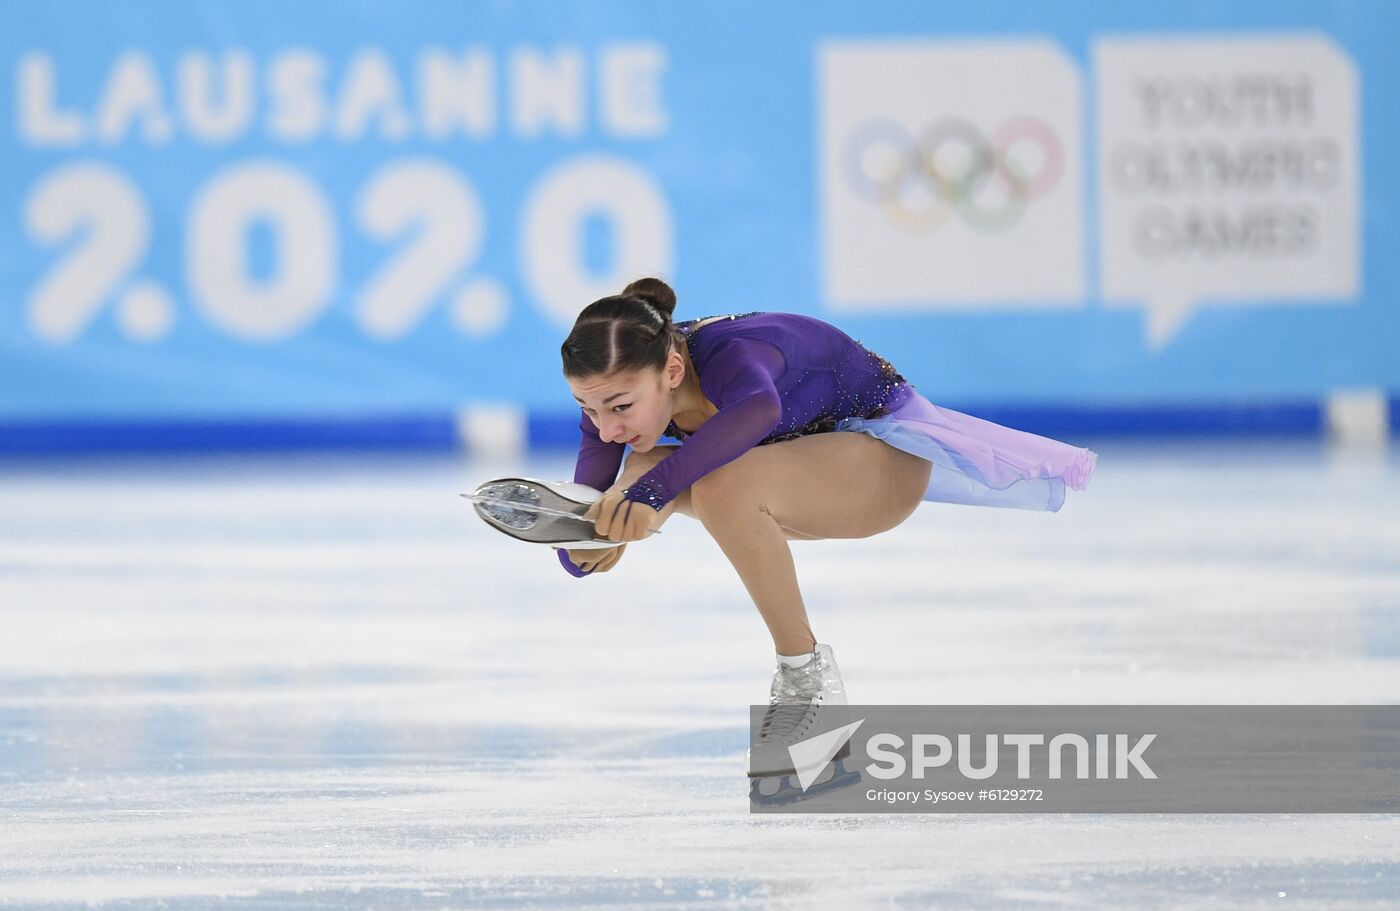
pixel 529 511
pixel 782 790
pixel 517 506
pixel 505 509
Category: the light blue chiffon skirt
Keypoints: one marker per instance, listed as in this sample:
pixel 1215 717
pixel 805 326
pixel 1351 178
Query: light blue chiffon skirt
pixel 977 462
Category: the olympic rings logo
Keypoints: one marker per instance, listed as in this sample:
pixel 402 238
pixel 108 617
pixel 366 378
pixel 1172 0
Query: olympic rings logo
pixel 953 167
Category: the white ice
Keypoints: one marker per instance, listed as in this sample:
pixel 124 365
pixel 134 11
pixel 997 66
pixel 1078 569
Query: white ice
pixel 271 683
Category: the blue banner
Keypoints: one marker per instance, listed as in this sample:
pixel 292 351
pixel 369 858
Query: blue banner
pixel 336 209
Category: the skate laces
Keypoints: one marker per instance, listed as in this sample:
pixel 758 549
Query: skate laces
pixel 794 699
pixel 783 719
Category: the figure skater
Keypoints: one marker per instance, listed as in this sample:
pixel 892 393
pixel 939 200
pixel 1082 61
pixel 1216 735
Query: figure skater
pixel 791 431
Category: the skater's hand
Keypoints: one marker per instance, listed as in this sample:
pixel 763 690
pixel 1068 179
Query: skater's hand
pixel 616 518
pixel 598 561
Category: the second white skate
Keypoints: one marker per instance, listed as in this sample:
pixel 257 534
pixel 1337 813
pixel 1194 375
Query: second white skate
pixel 801 703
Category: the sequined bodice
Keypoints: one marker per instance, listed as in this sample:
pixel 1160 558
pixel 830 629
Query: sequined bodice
pixel 848 401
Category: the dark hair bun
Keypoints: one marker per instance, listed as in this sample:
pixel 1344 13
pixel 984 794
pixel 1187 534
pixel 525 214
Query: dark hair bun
pixel 655 292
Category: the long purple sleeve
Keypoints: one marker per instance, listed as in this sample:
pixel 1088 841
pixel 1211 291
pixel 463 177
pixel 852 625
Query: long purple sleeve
pixel 740 378
pixel 597 467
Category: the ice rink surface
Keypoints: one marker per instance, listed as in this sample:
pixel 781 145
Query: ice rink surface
pixel 323 683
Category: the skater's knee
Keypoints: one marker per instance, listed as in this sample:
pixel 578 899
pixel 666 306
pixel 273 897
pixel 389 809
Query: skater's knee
pixel 639 463
pixel 684 505
pixel 642 462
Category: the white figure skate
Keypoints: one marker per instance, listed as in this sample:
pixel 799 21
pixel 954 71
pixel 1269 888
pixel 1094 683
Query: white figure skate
pixel 540 512
pixel 800 705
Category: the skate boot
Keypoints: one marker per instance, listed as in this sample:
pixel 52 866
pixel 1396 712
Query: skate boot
pixel 540 512
pixel 803 701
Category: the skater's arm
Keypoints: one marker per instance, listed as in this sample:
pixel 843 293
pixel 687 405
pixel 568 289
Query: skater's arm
pixel 597 466
pixel 741 378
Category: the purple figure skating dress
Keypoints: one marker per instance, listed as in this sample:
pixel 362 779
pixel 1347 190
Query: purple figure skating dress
pixel 776 376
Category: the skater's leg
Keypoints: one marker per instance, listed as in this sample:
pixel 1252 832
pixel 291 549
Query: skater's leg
pixel 828 485
pixel 639 463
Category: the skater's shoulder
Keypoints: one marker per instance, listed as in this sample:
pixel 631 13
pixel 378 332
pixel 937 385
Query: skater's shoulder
pixel 690 328
pixel 767 325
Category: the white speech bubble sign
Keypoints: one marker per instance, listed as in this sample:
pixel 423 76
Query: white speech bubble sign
pixel 950 175
pixel 1228 171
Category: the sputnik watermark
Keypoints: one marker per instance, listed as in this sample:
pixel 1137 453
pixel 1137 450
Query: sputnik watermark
pixel 1103 759
pixel 933 751
pixel 810 757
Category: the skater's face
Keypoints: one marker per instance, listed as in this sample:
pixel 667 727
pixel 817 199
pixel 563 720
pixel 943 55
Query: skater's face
pixel 631 407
